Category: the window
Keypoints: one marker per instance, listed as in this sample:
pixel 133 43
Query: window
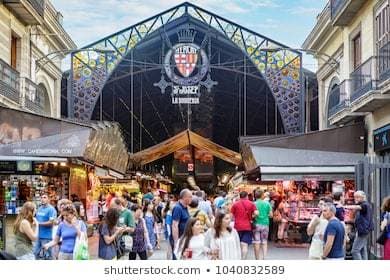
pixel 382 32
pixel 356 51
pixel 382 25
pixel 14 48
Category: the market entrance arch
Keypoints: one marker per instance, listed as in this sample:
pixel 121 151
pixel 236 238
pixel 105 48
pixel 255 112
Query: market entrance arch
pixel 247 83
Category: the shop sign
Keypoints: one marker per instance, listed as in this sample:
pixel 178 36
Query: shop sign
pixel 382 138
pixel 23 134
pixel 186 65
pixel 190 167
pixel 7 167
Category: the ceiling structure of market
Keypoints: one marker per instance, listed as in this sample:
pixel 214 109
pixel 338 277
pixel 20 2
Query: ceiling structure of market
pixel 188 69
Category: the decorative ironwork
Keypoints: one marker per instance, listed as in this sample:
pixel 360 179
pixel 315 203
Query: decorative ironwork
pixel 34 97
pixel 282 68
pixel 343 99
pixel 362 79
pixel 9 81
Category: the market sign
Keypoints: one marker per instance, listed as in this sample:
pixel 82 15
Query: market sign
pixel 186 65
pixel 382 138
pixel 25 134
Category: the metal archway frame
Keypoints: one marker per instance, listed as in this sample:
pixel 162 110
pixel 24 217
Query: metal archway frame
pixel 281 69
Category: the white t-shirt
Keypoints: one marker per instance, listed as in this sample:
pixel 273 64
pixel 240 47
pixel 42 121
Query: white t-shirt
pixel 197 246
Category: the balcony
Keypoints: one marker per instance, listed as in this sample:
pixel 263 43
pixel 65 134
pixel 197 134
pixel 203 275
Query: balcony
pixel 343 11
pixel 9 82
pixel 34 97
pixel 341 113
pixel 30 12
pixel 365 93
pixel 384 63
pixel 362 79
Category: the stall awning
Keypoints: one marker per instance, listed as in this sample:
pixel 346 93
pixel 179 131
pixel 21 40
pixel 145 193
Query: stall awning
pixel 24 134
pixel 180 141
pixel 298 164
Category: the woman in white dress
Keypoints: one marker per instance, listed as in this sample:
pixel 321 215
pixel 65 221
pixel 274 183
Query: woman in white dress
pixel 222 240
pixel 316 228
pixel 191 245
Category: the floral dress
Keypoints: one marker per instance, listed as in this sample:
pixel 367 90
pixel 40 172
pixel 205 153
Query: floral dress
pixel 149 220
pixel 139 242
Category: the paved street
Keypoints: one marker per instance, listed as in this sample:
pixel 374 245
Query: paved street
pixel 273 254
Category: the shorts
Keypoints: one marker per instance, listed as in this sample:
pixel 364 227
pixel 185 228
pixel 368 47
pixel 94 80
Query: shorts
pixel 260 234
pixel 245 236
pixel 65 256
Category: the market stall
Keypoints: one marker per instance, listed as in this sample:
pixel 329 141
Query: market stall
pixel 304 168
pixel 40 154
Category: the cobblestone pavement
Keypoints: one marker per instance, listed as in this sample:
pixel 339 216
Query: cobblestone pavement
pixel 273 254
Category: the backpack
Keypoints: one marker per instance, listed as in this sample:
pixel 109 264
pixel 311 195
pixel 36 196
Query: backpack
pixel 364 223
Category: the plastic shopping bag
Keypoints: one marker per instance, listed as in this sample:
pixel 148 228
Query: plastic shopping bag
pixel 80 251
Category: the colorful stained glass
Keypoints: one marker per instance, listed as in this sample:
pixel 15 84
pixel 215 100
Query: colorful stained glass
pixel 280 67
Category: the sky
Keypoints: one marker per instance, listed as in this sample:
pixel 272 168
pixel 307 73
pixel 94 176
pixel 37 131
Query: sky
pixel 285 21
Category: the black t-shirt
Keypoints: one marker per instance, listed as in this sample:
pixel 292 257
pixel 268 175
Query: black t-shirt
pixel 364 222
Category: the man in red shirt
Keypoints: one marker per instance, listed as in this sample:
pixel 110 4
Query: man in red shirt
pixel 244 211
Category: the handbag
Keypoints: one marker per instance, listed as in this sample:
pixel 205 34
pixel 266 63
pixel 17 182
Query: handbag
pixel 382 238
pixel 80 251
pixel 120 247
pixel 128 242
pixel 277 218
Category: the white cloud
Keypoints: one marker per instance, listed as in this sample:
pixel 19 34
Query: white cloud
pixel 89 20
pixel 307 11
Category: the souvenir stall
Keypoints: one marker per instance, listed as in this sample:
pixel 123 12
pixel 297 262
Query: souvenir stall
pixel 40 154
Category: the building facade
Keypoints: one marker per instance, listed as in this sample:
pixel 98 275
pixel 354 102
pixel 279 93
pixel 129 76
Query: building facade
pixel 32 42
pixel 352 41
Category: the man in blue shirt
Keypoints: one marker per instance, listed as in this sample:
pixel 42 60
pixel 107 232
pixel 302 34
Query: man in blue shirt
pixel 180 215
pixel 46 216
pixel 334 236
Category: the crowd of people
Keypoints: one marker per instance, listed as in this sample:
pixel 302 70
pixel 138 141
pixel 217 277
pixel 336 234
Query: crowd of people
pixel 195 227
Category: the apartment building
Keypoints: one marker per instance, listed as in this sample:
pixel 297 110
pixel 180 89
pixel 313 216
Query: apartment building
pixel 351 40
pixel 32 46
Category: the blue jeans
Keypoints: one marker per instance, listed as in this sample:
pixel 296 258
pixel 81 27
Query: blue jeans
pixel 359 247
pixel 47 255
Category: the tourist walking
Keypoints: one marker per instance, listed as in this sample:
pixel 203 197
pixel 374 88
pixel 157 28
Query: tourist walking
pixel 167 216
pixel 46 216
pixel 281 219
pixel 150 220
pixel 364 225
pixel 191 246
pixel 243 212
pixel 180 215
pixel 67 232
pixel 108 235
pixel 261 225
pixel 141 242
pixel 195 212
pixel 26 232
pixel 204 205
pixel 223 240
pixel 338 200
pixel 334 235
pixel 385 226
pixel 316 229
